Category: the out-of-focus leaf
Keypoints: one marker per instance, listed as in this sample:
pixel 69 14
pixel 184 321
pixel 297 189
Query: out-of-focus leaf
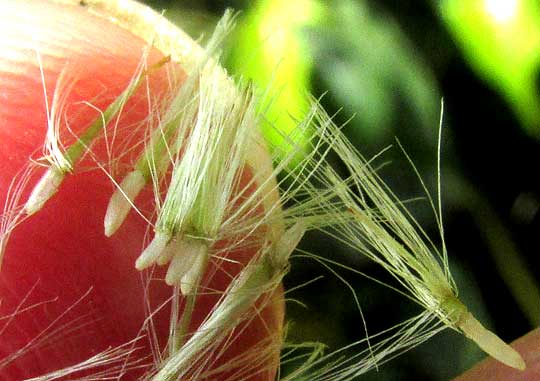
pixel 270 49
pixel 370 67
pixel 501 40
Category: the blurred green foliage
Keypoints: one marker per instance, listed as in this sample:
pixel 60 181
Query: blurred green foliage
pixel 368 64
pixel 501 39
pixel 271 50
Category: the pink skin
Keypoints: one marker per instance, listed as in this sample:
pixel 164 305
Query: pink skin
pixel 529 348
pixel 58 264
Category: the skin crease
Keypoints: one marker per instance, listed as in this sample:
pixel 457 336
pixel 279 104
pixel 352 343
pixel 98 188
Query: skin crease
pixel 66 291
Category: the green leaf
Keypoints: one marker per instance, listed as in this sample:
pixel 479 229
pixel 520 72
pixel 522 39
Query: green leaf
pixel 501 40
pixel 270 49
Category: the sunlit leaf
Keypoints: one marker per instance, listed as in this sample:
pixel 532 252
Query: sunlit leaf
pixel 501 40
pixel 270 49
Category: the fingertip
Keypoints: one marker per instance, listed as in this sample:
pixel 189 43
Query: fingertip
pixel 527 346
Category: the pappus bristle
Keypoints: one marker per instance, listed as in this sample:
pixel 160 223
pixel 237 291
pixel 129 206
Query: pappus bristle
pixel 370 219
pixel 216 119
pixel 61 160
pixel 200 145
pixel 204 141
pixel 13 212
pixel 110 364
pixel 260 277
pixel 53 148
pixel 201 187
pixel 355 359
pixel 169 136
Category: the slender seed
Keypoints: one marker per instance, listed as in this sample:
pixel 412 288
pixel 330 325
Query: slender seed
pixel 122 200
pixel 51 181
pixel 46 187
pixel 152 251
